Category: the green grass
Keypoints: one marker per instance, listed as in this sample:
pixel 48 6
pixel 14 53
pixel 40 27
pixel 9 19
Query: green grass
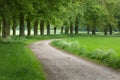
pixel 17 61
pixel 103 49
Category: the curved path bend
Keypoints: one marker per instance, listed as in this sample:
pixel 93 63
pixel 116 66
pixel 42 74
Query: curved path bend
pixel 59 65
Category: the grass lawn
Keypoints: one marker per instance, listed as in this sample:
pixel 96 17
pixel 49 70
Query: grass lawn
pixel 103 49
pixel 17 61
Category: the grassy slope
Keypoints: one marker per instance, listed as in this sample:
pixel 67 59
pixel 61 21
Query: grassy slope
pixel 104 49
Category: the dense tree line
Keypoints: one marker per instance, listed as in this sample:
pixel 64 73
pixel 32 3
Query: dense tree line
pixel 68 15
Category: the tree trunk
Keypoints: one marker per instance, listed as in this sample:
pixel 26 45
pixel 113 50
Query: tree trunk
pixel 76 26
pixel 119 26
pixel 28 27
pixel 71 28
pixel 55 30
pixel 66 30
pixel 42 27
pixel 88 29
pixel 62 30
pixel 105 31
pixel 0 28
pixel 4 31
pixel 22 30
pixel 8 27
pixel 48 28
pixel 110 29
pixel 36 27
pixel 94 29
pixel 5 27
pixel 14 26
pixel 119 29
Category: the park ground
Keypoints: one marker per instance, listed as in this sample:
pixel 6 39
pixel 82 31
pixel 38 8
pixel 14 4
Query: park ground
pixel 18 61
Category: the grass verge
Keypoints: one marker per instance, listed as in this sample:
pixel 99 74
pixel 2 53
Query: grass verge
pixel 17 61
pixel 102 49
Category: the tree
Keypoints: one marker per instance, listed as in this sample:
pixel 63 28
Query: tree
pixel 14 25
pixel 6 12
pixel 0 27
pixel 42 27
pixel 93 14
pixel 23 7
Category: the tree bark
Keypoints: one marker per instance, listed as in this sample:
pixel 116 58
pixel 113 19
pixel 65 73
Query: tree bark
pixel 105 31
pixel 88 29
pixel 55 30
pixel 119 29
pixel 0 28
pixel 42 27
pixel 8 27
pixel 28 27
pixel 5 27
pixel 119 26
pixel 66 30
pixel 4 31
pixel 36 27
pixel 22 30
pixel 48 28
pixel 71 28
pixel 94 29
pixel 76 26
pixel 110 30
pixel 14 26
pixel 62 30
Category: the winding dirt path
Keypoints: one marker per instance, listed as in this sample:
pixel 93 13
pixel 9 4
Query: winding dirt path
pixel 61 66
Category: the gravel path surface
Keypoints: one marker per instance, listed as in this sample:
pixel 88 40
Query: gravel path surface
pixel 59 65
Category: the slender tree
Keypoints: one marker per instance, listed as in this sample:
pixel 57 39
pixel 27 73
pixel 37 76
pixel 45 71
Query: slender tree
pixel 48 28
pixel 42 27
pixel 36 27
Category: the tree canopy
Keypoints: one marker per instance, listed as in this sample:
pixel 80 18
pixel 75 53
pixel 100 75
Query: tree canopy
pixel 90 14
